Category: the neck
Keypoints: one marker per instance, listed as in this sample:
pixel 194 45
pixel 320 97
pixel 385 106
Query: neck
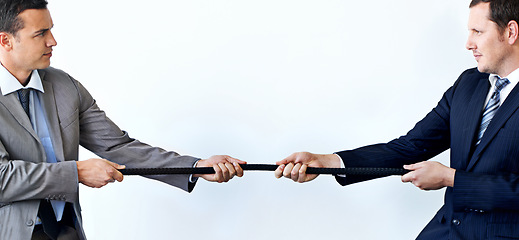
pixel 511 63
pixel 24 81
pixel 21 75
pixel 23 78
pixel 505 72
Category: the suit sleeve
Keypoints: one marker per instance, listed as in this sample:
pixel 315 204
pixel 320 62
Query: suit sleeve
pixel 428 138
pixel 499 191
pixel 101 136
pixel 22 180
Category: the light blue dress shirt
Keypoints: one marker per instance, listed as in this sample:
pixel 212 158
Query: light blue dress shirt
pixel 9 85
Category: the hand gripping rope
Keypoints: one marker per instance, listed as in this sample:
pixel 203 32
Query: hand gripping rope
pixel 267 167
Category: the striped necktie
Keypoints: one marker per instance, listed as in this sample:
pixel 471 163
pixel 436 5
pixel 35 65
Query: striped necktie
pixel 492 106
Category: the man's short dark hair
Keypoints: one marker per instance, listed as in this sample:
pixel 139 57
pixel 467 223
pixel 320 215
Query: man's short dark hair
pixel 501 11
pixel 10 9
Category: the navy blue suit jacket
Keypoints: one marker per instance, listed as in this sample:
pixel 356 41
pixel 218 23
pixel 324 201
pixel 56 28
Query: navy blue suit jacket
pixel 484 202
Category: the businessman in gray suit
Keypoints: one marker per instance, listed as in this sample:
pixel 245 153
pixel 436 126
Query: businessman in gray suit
pixel 45 115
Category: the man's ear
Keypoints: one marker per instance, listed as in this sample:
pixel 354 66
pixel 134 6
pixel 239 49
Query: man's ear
pixel 513 32
pixel 5 41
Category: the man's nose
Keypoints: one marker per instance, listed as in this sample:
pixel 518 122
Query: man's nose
pixel 52 41
pixel 470 44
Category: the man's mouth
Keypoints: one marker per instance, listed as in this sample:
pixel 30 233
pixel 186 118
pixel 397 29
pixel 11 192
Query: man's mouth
pixel 477 56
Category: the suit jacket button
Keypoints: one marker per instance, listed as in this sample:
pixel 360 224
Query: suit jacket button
pixel 29 222
pixel 456 222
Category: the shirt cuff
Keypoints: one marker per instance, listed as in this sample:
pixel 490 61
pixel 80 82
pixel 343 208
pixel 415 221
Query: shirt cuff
pixel 342 166
pixel 191 178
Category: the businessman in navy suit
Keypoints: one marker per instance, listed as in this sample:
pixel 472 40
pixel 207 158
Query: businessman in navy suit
pixel 477 118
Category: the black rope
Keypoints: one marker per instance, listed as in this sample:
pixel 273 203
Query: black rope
pixel 266 167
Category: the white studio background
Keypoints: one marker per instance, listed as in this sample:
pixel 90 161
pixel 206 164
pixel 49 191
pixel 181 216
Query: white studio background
pixel 259 80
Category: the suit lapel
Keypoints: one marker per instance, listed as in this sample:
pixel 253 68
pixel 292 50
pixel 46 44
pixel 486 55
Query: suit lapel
pixel 472 117
pixel 504 112
pixel 51 115
pixel 12 103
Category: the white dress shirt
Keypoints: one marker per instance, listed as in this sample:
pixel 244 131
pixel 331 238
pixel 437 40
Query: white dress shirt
pixel 512 77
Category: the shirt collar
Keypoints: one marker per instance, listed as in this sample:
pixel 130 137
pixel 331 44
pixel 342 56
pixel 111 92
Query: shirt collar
pixel 513 77
pixel 9 84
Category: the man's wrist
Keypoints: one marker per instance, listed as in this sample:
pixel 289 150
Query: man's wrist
pixel 341 165
pixel 332 160
pixel 449 177
pixel 193 179
pixel 340 160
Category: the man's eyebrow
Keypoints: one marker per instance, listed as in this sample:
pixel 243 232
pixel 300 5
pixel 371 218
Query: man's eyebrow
pixel 43 30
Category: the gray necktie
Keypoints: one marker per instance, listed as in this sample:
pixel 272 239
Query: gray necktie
pixel 23 95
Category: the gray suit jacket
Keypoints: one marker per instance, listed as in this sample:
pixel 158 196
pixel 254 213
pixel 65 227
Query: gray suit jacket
pixel 74 119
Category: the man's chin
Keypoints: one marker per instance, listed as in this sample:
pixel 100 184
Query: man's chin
pixel 483 69
pixel 44 65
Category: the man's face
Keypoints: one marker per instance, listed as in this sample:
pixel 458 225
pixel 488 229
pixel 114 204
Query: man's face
pixel 32 45
pixel 487 41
